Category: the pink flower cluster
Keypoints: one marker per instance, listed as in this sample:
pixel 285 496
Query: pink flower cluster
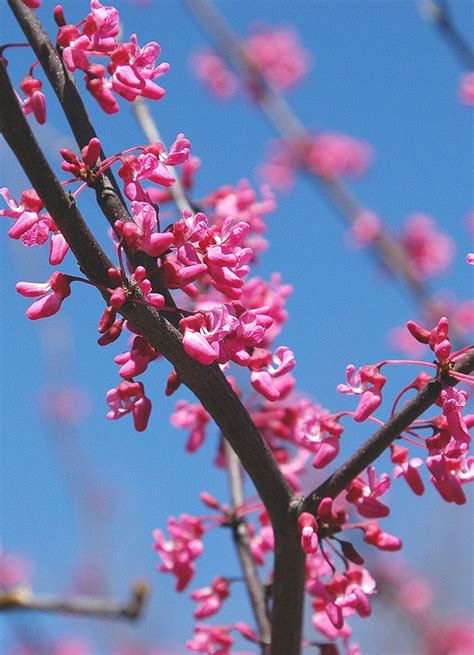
pixel 328 155
pixel 33 227
pixel 178 553
pixel 275 53
pixel 430 252
pixel 131 70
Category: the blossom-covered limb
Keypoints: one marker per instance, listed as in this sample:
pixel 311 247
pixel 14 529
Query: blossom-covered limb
pixel 385 435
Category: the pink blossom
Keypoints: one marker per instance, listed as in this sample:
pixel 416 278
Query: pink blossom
pixel 34 102
pixel 212 72
pixel 27 213
pixel 272 295
pixel 407 468
pixel 178 553
pixel 430 251
pixel 102 26
pixel 318 431
pixel 134 71
pixel 263 541
pixel 466 89
pixel 308 530
pixel 223 333
pixel 211 598
pixel 32 4
pixel 366 382
pixel 334 155
pixel 365 229
pixel 454 402
pixel 263 372
pixel 146 166
pixel 470 258
pixel 191 416
pixel 217 640
pixel 135 361
pixel 278 55
pixel 129 397
pixel 52 293
pixel 340 598
pixel 140 234
pixel 445 479
pixel 365 494
pixel 178 152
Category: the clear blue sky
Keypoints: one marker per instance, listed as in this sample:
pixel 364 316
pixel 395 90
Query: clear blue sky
pixel 380 73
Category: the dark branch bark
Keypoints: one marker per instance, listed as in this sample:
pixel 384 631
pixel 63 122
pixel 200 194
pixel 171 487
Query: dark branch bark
pixel 381 440
pixel 207 382
pixel 22 598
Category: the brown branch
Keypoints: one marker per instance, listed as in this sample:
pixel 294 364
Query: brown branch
pixel 289 561
pixel 207 382
pixel 22 598
pixel 240 533
pixel 384 436
pixel 385 248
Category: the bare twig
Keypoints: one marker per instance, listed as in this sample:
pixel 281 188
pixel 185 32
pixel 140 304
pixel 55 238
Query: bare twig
pixel 22 598
pixel 439 12
pixel 385 435
pixel 255 588
pixel 150 130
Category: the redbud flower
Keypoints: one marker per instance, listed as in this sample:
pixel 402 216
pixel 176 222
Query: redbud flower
pixel 211 70
pixel 35 101
pixel 211 598
pixel 407 468
pixel 308 530
pixel 140 234
pixel 364 495
pixel 367 382
pixel 429 250
pixel 129 397
pixel 191 416
pixel 178 554
pixel 52 295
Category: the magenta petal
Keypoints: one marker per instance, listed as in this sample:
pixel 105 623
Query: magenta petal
pixel 45 307
pixel 198 347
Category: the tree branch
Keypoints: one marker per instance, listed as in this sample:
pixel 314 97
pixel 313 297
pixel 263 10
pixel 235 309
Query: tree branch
pixel 22 598
pixel 384 436
pixel 108 194
pixel 440 13
pixel 207 382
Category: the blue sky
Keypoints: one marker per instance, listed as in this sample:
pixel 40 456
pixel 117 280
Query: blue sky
pixel 380 73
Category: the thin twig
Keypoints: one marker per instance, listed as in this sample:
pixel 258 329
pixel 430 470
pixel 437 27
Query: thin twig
pixel 150 130
pixel 255 588
pixel 440 14
pixel 22 598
